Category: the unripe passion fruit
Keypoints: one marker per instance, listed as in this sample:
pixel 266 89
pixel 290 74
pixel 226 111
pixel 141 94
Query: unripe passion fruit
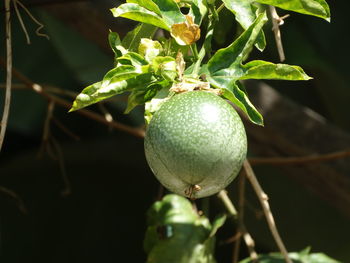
pixel 195 144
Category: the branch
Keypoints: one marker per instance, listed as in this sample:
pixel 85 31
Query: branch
pixel 227 203
pixel 65 104
pixel 5 114
pixel 300 160
pixel 263 198
pixel 233 213
pixel 277 21
pixel 40 25
pixel 15 196
pixel 52 147
pixel 241 194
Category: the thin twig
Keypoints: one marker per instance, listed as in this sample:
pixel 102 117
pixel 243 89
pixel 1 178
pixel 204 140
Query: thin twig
pixel 233 213
pixel 47 130
pixel 52 147
pixel 16 197
pixel 235 238
pixel 249 241
pixel 45 142
pixel 241 194
pixel 227 203
pixel 277 21
pixel 6 111
pixel 137 132
pixel 263 198
pixel 63 128
pixel 160 193
pixel 21 21
pixel 67 190
pixel 300 160
pixel 50 2
pixel 220 8
pixel 40 25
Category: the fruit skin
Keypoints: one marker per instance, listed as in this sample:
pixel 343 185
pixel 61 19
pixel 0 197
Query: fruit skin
pixel 195 139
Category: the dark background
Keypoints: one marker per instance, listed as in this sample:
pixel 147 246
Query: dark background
pixel 103 218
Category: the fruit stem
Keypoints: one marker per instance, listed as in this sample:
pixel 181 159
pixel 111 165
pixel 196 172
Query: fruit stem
pixel 227 203
pixel 206 47
pixel 263 198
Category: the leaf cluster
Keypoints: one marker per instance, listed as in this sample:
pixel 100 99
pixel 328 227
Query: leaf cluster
pixel 303 256
pixel 176 233
pixel 182 60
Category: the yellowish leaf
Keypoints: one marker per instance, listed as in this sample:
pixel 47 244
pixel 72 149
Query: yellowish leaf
pixel 186 33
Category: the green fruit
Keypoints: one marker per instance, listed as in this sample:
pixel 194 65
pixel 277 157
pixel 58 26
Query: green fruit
pixel 195 144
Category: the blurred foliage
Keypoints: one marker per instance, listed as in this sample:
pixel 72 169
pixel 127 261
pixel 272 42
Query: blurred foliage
pixel 176 233
pixel 303 256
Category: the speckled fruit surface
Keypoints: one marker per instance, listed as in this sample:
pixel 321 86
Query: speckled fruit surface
pixel 195 144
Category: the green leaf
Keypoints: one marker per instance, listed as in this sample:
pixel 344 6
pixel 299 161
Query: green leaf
pixel 259 69
pixel 154 88
pixel 150 48
pixel 171 209
pixel 174 227
pixel 317 8
pixel 148 4
pixel 320 258
pixel 136 97
pixel 245 16
pixel 133 59
pixel 298 257
pixel 155 103
pixel 170 12
pixel 138 13
pixel 225 68
pixel 236 95
pixel 235 53
pixel 218 222
pixel 144 94
pixel 132 39
pixel 165 67
pixel 198 10
pixel 115 43
pixel 97 92
pixel 225 65
pixel 85 98
pixel 122 73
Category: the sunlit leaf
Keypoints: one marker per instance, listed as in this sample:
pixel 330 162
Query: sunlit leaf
pixel 165 67
pixel 317 8
pixel 134 59
pixel 155 103
pixel 235 53
pixel 259 69
pixel 245 16
pixel 115 44
pixel 148 4
pixel 96 92
pixel 176 233
pixel 170 11
pixel 149 48
pixel 237 96
pixel 122 73
pixel 198 10
pixel 144 93
pixel 185 33
pixel 138 13
pixel 225 65
pixel 132 39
